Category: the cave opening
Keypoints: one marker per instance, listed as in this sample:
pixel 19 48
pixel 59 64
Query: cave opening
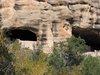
pixel 90 35
pixel 24 35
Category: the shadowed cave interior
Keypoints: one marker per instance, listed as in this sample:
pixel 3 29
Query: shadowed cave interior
pixel 90 35
pixel 24 35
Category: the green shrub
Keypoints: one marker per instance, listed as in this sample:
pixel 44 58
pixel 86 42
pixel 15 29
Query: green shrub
pixel 56 62
pixel 40 64
pixel 6 58
pixel 66 55
pixel 29 63
pixel 72 52
pixel 91 66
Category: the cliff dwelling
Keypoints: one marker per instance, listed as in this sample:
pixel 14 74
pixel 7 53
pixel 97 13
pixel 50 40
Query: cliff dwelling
pixel 90 35
pixel 46 21
pixel 26 37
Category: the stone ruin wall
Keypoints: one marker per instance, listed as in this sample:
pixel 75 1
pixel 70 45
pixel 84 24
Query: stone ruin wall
pixel 50 20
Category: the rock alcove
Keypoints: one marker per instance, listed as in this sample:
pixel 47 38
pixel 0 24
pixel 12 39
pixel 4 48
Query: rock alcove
pixel 26 37
pixel 90 35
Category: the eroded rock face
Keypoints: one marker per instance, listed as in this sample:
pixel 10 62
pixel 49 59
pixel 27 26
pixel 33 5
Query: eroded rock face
pixel 51 20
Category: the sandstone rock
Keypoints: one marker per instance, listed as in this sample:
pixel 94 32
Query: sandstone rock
pixel 8 3
pixel 57 2
pixel 50 20
pixel 62 12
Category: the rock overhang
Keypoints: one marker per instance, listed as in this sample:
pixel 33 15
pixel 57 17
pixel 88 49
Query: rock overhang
pixel 90 35
pixel 39 17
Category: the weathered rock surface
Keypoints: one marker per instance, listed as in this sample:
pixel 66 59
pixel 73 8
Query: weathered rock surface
pixel 50 20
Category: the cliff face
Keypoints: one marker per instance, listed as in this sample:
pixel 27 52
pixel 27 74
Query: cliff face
pixel 50 20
